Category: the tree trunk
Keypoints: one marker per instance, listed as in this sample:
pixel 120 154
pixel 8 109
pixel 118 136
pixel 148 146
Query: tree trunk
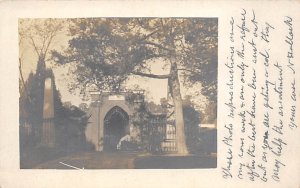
pixel 174 86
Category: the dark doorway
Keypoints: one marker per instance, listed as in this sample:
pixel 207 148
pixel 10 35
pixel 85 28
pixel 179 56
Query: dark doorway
pixel 115 127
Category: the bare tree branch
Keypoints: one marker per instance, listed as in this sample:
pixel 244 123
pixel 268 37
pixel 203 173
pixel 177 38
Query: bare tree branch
pixel 188 71
pixel 170 114
pixel 149 35
pixel 34 45
pixel 44 42
pixel 166 76
pixel 158 46
pixel 49 42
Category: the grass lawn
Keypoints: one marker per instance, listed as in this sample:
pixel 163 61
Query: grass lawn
pixel 125 160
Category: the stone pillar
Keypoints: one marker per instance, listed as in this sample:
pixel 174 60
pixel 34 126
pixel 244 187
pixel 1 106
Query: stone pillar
pixel 48 129
pixel 92 131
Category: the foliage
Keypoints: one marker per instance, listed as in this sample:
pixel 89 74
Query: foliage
pixel 210 113
pixel 70 129
pixel 40 33
pixel 201 62
pixel 70 123
pixel 106 51
pixel 149 134
pixel 31 102
pixel 140 119
pixel 191 121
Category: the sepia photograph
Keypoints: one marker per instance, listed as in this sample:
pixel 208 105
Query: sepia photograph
pixel 149 94
pixel 118 93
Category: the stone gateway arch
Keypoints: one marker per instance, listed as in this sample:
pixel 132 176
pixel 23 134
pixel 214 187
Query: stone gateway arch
pixel 109 121
pixel 116 126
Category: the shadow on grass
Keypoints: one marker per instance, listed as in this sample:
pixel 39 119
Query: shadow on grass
pixel 175 162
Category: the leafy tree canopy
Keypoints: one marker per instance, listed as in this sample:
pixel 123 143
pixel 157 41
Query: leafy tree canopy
pixel 106 51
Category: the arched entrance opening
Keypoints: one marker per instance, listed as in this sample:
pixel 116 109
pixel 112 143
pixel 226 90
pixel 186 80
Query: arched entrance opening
pixel 115 127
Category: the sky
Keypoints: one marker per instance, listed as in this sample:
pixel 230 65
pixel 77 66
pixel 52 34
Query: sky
pixel 155 88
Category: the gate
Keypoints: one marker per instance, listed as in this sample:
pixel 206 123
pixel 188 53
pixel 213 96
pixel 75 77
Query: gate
pixel 156 132
pixel 161 136
pixel 169 143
